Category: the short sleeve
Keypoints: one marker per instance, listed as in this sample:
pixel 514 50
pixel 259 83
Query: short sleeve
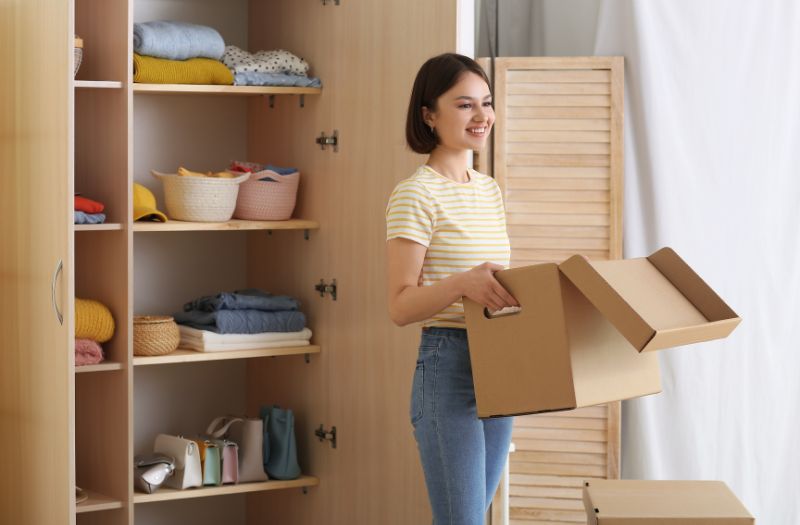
pixel 410 213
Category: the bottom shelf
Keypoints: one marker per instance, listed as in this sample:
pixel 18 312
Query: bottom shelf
pixel 97 502
pixel 167 494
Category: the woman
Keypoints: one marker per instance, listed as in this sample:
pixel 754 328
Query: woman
pixel 446 236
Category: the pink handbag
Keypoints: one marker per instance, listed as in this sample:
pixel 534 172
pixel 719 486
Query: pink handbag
pixel 230 460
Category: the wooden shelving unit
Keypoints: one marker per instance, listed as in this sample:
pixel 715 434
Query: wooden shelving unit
pixel 100 367
pixel 195 89
pixel 96 503
pixel 168 494
pixel 98 84
pixel 232 225
pixel 182 355
pixel 109 226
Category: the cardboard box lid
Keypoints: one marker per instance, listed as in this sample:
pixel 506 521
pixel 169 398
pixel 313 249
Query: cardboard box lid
pixel 655 302
pixel 617 502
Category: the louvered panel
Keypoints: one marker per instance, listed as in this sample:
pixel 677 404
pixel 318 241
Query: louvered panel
pixel 558 88
pixel 602 76
pixel 558 136
pixel 580 232
pixel 561 148
pixel 520 123
pixel 526 173
pixel 558 160
pixel 560 113
pixel 559 101
pixel 549 195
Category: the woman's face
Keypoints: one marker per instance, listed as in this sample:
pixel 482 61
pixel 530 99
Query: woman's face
pixel 464 114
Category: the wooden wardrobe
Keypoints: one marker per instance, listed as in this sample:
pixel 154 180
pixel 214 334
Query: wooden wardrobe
pixel 66 426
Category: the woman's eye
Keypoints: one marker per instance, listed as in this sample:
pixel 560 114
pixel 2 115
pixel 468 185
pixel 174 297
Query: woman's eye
pixel 487 104
pixel 465 106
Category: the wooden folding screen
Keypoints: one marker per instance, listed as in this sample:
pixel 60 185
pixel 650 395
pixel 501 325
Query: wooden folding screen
pixel 558 160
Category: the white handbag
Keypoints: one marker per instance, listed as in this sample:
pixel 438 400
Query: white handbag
pixel 188 471
pixel 251 449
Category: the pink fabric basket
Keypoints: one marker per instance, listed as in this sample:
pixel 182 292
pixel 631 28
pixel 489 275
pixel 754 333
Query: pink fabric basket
pixel 267 200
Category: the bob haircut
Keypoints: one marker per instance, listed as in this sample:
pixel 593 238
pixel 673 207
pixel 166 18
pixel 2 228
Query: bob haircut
pixel 434 78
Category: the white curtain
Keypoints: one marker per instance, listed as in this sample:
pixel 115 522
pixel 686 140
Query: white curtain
pixel 712 168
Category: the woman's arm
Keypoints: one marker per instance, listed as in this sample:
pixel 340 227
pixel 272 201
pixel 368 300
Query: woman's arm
pixel 410 302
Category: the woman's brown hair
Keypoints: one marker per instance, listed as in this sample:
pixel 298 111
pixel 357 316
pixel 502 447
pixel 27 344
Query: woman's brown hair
pixel 435 77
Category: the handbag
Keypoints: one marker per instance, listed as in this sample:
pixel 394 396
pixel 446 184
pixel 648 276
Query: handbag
pixel 281 463
pixel 151 470
pixel 210 462
pixel 229 454
pixel 188 472
pixel 251 457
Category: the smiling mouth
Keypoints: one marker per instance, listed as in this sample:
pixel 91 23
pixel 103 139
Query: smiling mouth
pixel 478 132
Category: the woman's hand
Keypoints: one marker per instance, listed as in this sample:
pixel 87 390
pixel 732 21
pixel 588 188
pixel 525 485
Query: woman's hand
pixel 480 285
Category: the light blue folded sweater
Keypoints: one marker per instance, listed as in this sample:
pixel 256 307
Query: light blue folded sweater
pixel 177 40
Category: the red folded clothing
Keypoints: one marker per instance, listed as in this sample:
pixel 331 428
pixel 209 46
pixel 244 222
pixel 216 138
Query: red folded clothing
pixel 87 352
pixel 88 205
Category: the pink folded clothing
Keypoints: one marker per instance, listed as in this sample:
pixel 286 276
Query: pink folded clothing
pixel 87 352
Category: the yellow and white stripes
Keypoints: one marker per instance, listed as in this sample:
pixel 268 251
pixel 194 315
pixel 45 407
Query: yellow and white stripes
pixel 462 225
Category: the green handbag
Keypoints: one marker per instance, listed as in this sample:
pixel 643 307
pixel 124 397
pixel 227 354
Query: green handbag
pixel 210 461
pixel 280 447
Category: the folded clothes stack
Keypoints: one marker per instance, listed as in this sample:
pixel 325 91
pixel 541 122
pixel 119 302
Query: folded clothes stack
pixel 88 211
pixel 94 324
pixel 268 68
pixel 167 52
pixel 242 320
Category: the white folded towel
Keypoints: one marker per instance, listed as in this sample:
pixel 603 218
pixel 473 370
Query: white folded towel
pixel 205 341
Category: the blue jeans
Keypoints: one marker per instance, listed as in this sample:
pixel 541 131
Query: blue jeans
pixel 462 456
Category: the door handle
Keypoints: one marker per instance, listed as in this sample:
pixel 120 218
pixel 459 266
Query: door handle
pixel 56 274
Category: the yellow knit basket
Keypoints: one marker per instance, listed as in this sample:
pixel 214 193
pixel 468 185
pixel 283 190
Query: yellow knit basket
pixel 93 320
pixel 154 335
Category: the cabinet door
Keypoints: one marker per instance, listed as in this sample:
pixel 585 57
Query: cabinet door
pixel 377 477
pixel 36 385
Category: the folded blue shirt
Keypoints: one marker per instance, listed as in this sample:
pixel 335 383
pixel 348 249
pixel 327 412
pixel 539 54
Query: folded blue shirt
pixel 243 321
pixel 249 299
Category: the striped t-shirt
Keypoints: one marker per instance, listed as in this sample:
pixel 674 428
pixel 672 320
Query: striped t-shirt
pixel 463 225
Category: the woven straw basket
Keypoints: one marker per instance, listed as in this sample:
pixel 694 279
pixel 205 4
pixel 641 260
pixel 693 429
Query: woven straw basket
pixel 78 54
pixel 154 335
pixel 267 200
pixel 200 199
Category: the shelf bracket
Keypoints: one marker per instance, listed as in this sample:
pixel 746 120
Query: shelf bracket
pixel 308 358
pixel 305 490
pixel 305 234
pixel 272 102
pixel 302 101
pixel 269 232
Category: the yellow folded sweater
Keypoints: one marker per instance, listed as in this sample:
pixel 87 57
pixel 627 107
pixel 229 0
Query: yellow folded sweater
pixel 93 320
pixel 152 70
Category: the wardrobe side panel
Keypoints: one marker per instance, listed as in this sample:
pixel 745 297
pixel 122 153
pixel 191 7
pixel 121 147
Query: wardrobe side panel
pixel 36 379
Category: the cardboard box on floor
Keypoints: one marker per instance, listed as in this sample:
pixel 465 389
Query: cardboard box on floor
pixel 621 502
pixel 585 332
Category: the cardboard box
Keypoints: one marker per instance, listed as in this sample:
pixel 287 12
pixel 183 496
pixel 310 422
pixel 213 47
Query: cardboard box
pixel 625 502
pixel 576 340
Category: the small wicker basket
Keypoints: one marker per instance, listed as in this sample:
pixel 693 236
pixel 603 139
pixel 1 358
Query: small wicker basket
pixel 78 54
pixel 154 335
pixel 267 200
pixel 200 199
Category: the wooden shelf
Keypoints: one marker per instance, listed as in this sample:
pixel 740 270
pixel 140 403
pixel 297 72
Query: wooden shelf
pixel 167 89
pixel 98 84
pixel 168 494
pixel 97 502
pixel 231 225
pixel 108 226
pixel 190 356
pixel 100 367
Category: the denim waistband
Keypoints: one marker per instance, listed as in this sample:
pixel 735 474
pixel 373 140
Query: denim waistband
pixel 444 331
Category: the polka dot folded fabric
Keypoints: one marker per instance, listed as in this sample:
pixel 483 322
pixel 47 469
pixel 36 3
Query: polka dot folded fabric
pixel 277 61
